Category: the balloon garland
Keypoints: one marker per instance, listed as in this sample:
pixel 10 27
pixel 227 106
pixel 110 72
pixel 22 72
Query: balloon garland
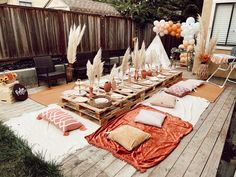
pixel 187 30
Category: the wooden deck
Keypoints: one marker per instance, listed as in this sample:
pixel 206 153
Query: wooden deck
pixel 198 154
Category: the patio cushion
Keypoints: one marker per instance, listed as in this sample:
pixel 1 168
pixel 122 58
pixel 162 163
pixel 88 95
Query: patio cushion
pixel 176 90
pixel 163 100
pixel 150 118
pixel 127 136
pixel 61 120
pixel 190 84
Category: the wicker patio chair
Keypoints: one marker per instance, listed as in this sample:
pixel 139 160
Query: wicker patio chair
pixel 46 71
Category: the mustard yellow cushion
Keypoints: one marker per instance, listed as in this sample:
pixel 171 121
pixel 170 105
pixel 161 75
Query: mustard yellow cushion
pixel 127 136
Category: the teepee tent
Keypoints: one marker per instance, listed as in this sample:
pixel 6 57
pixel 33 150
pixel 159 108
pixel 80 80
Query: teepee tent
pixel 160 51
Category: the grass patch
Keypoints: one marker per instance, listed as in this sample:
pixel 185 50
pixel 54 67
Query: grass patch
pixel 17 159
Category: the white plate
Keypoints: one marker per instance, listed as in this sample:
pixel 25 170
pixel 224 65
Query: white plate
pixel 173 71
pixel 101 100
pixel 167 74
pixel 153 79
pixel 116 96
pixel 136 86
pixel 126 90
pixel 161 76
pixel 80 99
pixel 68 92
pixel 148 82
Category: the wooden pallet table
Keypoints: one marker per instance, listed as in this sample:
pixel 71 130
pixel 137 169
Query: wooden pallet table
pixel 128 100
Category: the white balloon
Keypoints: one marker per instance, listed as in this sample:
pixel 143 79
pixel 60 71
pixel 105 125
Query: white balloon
pixel 155 29
pixel 158 25
pixel 190 20
pixel 190 36
pixel 186 38
pixel 156 22
pixel 191 41
pixel 196 27
pixel 162 33
pixel 182 33
pixel 162 21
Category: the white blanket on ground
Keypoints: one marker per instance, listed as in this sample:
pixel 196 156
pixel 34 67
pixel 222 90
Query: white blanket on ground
pixel 47 139
pixel 189 108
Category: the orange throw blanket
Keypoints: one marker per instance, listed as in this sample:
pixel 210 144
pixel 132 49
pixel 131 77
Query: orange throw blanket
pixel 151 152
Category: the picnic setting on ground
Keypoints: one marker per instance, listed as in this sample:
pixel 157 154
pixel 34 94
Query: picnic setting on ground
pixel 141 110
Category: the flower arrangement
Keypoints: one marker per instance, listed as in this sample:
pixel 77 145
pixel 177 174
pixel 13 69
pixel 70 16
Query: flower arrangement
pixel 8 78
pixel 204 58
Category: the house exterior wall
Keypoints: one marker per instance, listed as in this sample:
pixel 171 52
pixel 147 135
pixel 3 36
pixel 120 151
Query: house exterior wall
pixel 208 16
pixel 58 4
pixel 35 3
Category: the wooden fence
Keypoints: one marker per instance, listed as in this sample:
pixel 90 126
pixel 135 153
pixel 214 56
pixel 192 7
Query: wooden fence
pixel 27 32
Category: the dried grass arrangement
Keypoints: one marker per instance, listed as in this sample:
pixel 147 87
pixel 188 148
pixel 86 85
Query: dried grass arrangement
pixel 203 51
pixel 142 55
pixel 125 62
pixel 95 70
pixel 138 56
pixel 98 65
pixel 90 73
pixel 75 36
pixel 114 71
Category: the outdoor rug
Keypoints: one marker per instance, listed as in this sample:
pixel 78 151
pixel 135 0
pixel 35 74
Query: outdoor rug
pixel 51 95
pixel 161 143
pixel 208 91
pixel 48 140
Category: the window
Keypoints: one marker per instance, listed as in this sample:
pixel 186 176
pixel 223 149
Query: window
pixel 25 3
pixel 224 24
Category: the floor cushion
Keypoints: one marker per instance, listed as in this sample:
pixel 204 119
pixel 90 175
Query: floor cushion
pixel 163 100
pixel 61 120
pixel 176 90
pixel 127 136
pixel 190 84
pixel 150 118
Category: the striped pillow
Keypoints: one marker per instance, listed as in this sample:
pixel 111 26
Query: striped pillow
pixel 61 120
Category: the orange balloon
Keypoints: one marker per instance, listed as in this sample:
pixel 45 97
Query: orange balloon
pixel 167 25
pixel 178 30
pixel 170 22
pixel 172 33
pixel 177 35
pixel 178 24
pixel 169 29
pixel 174 27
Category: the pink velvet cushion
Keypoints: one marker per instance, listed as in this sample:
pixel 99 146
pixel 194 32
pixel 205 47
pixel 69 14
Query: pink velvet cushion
pixel 176 90
pixel 61 120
